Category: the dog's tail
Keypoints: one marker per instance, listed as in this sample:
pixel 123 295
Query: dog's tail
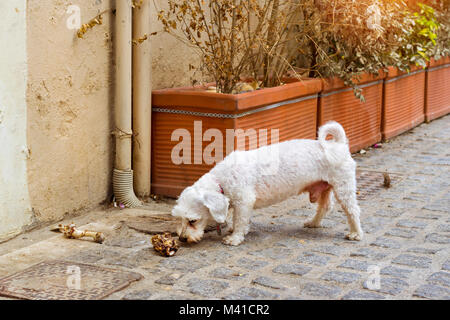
pixel 335 129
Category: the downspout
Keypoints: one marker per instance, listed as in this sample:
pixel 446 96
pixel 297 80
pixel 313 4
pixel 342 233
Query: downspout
pixel 142 96
pixel 123 173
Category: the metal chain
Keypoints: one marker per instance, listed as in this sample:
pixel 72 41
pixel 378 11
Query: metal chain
pixel 196 113
pixel 231 116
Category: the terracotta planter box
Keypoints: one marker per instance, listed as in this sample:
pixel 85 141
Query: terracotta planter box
pixel 437 101
pixel 361 121
pixel 404 101
pixel 291 108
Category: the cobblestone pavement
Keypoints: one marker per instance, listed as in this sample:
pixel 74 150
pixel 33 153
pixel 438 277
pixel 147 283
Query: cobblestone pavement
pixel 407 239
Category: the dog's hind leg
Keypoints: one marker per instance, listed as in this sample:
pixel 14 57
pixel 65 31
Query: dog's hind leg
pixel 346 196
pixel 326 203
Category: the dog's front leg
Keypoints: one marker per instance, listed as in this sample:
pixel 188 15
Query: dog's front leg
pixel 241 223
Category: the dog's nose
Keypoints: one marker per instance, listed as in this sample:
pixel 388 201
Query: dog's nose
pixel 182 239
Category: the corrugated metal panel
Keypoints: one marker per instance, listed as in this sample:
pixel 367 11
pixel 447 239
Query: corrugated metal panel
pixel 404 100
pixel 361 121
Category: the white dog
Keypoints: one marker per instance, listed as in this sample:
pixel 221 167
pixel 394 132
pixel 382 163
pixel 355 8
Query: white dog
pixel 242 181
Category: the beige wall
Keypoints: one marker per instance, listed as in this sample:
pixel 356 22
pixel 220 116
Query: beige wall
pixel 15 210
pixel 70 103
pixel 69 110
pixel 171 57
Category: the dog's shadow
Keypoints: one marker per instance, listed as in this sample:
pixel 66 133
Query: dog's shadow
pixel 268 234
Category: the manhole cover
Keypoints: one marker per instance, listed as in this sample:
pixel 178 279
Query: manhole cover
pixel 370 182
pixel 154 224
pixel 65 280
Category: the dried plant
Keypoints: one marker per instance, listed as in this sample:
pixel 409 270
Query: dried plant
pixel 346 38
pixel 98 20
pixel 236 39
pixel 263 39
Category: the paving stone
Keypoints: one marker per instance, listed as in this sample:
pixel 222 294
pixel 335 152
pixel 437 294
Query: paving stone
pixel 296 269
pixel 226 273
pixel 86 257
pixel 138 295
pixel 311 258
pixel 288 220
pixel 388 213
pixel 391 286
pixel 402 233
pixel 413 261
pixel 405 205
pixel 340 277
pixel 272 253
pixel 429 217
pixel 173 297
pixel 290 243
pixel 423 250
pixel 251 264
pixel 368 253
pixel 362 295
pixel 121 261
pixel 246 293
pixel 300 213
pixel 431 291
pixel 333 250
pixel 417 196
pixel 268 282
pixel 355 265
pixel 440 278
pixel 444 228
pixel 374 224
pixel 127 242
pixel 207 288
pixel 409 223
pixel 446 265
pixel 386 243
pixel 220 256
pixel 319 290
pixel 186 264
pixel 438 205
pixel 438 238
pixel 169 279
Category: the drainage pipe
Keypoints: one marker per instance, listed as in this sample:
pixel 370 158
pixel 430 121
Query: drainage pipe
pixel 142 95
pixel 123 174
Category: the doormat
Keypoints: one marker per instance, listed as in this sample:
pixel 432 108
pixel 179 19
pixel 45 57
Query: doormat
pixel 371 182
pixel 65 280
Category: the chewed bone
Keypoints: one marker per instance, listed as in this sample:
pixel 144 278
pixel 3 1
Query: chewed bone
pixel 71 232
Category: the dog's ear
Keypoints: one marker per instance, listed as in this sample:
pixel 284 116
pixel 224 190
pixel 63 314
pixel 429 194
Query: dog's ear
pixel 217 204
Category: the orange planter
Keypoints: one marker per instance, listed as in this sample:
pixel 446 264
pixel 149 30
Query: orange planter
pixel 291 108
pixel 437 101
pixel 361 121
pixel 404 101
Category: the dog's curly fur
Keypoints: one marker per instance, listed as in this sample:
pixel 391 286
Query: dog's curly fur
pixel 324 168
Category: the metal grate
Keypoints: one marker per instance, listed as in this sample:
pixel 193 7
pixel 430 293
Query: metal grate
pixel 371 182
pixel 53 280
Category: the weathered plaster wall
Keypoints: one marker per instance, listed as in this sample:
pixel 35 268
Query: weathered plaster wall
pixel 70 108
pixel 70 102
pixel 171 57
pixel 15 210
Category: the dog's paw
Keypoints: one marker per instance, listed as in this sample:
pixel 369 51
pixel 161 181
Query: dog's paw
pixel 233 240
pixel 311 224
pixel 354 236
